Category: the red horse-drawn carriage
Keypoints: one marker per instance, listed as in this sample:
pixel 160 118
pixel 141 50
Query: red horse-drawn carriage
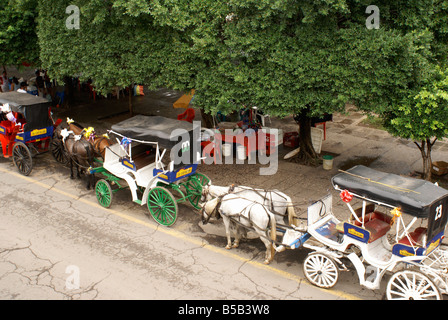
pixel 26 129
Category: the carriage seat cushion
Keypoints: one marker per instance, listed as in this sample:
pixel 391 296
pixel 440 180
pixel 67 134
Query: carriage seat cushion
pixel 416 237
pixel 376 223
pixel 377 228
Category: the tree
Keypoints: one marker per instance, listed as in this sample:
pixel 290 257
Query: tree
pixel 422 117
pixel 111 48
pixel 18 38
pixel 300 57
pixel 284 56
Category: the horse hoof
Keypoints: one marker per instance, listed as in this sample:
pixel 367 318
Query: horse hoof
pixel 235 245
pixel 266 262
pixel 228 247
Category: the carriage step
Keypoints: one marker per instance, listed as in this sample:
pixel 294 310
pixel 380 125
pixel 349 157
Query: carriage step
pixel 138 201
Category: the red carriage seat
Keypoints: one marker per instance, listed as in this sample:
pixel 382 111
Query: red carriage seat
pixel 416 237
pixel 377 223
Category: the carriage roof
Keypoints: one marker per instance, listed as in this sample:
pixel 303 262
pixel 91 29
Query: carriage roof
pixel 154 129
pixel 33 108
pixel 414 196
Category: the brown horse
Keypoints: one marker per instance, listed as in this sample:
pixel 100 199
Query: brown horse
pixel 80 154
pixel 99 144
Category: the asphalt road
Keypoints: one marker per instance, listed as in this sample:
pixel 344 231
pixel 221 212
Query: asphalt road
pixel 56 242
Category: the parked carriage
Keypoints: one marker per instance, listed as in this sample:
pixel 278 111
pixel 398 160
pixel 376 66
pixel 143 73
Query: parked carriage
pixel 380 236
pixel 26 129
pixel 137 161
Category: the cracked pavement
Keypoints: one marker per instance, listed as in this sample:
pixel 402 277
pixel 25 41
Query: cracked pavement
pixel 53 236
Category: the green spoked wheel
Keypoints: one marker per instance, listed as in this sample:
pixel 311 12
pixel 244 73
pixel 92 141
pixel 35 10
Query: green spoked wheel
pixel 194 186
pixel 162 206
pixel 103 193
pixel 22 158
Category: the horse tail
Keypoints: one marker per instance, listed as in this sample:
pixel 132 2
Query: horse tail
pixel 290 211
pixel 273 234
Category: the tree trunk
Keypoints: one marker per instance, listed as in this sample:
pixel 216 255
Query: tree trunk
pixel 208 119
pixel 425 150
pixel 307 155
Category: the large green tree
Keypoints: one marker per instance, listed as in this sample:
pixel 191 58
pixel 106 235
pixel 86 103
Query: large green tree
pixel 422 117
pixel 285 56
pixel 18 38
pixel 110 47
pixel 299 57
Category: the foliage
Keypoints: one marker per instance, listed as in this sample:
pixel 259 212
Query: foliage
pixel 424 114
pixel 285 56
pixel 18 39
pixel 110 47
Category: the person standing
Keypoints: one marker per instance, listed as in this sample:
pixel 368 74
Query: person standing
pixel 5 82
pixel 15 84
pixel 40 83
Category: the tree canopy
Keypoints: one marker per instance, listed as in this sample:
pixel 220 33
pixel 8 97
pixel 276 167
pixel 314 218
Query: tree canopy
pixel 279 55
pixel 18 38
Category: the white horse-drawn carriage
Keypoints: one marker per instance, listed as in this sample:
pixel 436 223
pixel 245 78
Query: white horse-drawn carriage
pixel 398 229
pixel 137 161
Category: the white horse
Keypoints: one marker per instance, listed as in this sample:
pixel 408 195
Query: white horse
pixel 243 213
pixel 277 202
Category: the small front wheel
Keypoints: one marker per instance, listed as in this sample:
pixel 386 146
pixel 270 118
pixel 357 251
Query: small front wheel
pixel 58 151
pixel 321 270
pixel 194 186
pixel 103 193
pixel 162 206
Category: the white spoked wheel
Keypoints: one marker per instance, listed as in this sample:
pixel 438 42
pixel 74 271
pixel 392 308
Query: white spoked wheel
pixel 411 285
pixel 321 270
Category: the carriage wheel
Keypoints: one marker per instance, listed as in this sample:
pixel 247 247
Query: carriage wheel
pixel 103 193
pixel 321 270
pixel 58 151
pixel 194 188
pixel 22 158
pixel 411 285
pixel 162 206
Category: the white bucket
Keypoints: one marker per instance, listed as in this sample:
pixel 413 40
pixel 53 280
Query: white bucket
pixel 241 152
pixel 226 149
pixel 328 162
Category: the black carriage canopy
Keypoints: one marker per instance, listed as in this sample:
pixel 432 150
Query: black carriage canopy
pixel 416 197
pixel 35 109
pixel 168 133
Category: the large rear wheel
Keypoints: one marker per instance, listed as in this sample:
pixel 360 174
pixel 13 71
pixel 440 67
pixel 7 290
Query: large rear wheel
pixel 162 206
pixel 22 158
pixel 411 285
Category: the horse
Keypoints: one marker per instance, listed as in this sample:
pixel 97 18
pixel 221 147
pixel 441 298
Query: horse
pixel 277 202
pixel 80 154
pixel 99 143
pixel 243 213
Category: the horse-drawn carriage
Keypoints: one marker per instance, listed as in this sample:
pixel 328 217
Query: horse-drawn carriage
pixel 137 161
pixel 26 129
pixel 379 237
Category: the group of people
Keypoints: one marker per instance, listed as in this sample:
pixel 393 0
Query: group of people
pixel 41 85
